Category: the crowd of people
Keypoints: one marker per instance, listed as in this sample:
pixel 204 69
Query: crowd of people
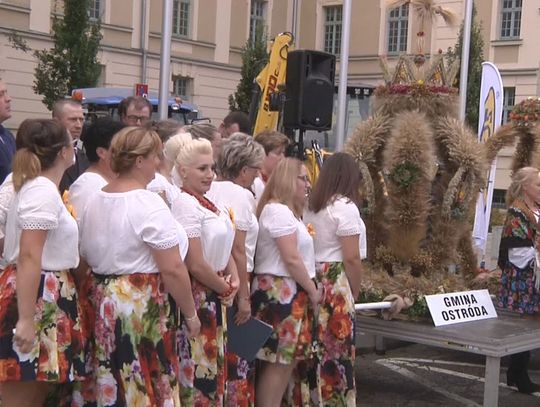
pixel 125 242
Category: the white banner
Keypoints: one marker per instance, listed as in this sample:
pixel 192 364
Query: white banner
pixel 489 120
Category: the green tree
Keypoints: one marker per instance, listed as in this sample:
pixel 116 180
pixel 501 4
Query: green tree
pixel 72 62
pixel 254 58
pixel 476 57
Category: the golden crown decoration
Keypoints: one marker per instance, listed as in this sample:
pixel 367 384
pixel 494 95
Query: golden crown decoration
pixel 411 75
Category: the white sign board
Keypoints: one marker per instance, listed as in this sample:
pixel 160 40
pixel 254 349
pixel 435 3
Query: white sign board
pixel 463 306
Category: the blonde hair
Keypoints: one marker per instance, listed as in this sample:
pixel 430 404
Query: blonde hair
pixel 520 179
pixel 191 149
pixel 130 143
pixel 174 144
pixel 281 186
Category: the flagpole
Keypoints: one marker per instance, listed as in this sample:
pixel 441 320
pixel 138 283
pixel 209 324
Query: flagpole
pixel 465 48
pixel 343 74
pixel 165 61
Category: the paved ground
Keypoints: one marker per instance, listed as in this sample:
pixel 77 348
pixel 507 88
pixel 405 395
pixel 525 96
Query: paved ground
pixel 417 376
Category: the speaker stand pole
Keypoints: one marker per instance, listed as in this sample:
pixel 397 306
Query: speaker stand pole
pixel 300 145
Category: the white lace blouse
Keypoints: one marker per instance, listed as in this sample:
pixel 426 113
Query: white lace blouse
pixel 118 231
pixel 82 189
pixel 277 220
pixel 38 206
pixel 215 231
pixel 340 218
pixel 241 202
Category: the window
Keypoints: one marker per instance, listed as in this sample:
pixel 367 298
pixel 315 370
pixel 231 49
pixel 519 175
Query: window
pixel 510 18
pixel 499 199
pixel 180 25
pixel 181 86
pixel 94 9
pixel 509 100
pixel 257 18
pixel 332 29
pixel 398 26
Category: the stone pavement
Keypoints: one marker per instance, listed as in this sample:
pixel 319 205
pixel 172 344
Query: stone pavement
pixel 413 375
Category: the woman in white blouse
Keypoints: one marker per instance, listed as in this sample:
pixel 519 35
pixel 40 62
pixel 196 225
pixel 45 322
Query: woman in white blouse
pixel 334 216
pixel 130 240
pixel 238 164
pixel 283 293
pixel 41 328
pixel 97 140
pixel 214 277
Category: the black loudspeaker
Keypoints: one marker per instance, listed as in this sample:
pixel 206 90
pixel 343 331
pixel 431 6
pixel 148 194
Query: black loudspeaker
pixel 309 90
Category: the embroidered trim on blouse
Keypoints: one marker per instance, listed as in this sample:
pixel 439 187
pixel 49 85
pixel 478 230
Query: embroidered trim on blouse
pixel 193 234
pixel 244 227
pixel 164 245
pixel 38 224
pixel 349 232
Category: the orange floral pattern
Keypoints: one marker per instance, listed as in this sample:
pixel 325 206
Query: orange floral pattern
pixel 58 355
pixel 328 379
pixel 280 302
pixel 202 359
pixel 135 327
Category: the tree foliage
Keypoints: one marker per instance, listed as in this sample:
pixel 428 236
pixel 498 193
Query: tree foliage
pixel 72 62
pixel 476 57
pixel 254 58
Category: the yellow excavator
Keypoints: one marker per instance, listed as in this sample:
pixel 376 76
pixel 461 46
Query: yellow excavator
pixel 270 83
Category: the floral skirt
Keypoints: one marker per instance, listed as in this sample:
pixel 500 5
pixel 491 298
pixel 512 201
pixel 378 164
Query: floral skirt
pixel 58 355
pixel 280 302
pixel 240 381
pixel 328 379
pixel 135 356
pixel 202 359
pixel 517 292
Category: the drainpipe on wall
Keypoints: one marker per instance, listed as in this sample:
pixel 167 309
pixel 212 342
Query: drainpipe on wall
pixel 144 52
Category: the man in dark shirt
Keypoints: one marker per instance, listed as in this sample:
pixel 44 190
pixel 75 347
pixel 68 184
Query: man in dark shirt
pixel 7 141
pixel 69 112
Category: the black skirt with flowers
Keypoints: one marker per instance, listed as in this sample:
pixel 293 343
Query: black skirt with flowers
pixel 282 303
pixel 58 355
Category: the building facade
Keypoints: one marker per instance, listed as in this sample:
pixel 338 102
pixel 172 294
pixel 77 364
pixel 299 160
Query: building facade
pixel 208 36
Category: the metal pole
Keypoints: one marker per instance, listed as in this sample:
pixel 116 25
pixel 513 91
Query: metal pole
pixel 464 75
pixel 343 73
pixel 294 19
pixel 143 42
pixel 165 61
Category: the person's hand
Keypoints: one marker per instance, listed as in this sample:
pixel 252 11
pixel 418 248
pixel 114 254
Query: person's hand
pixel 227 297
pixel 25 335
pixel 193 326
pixel 244 311
pixel 316 296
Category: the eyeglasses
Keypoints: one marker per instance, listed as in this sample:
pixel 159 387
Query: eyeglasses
pixel 135 119
pixel 304 178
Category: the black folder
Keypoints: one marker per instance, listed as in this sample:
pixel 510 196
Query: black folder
pixel 245 340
